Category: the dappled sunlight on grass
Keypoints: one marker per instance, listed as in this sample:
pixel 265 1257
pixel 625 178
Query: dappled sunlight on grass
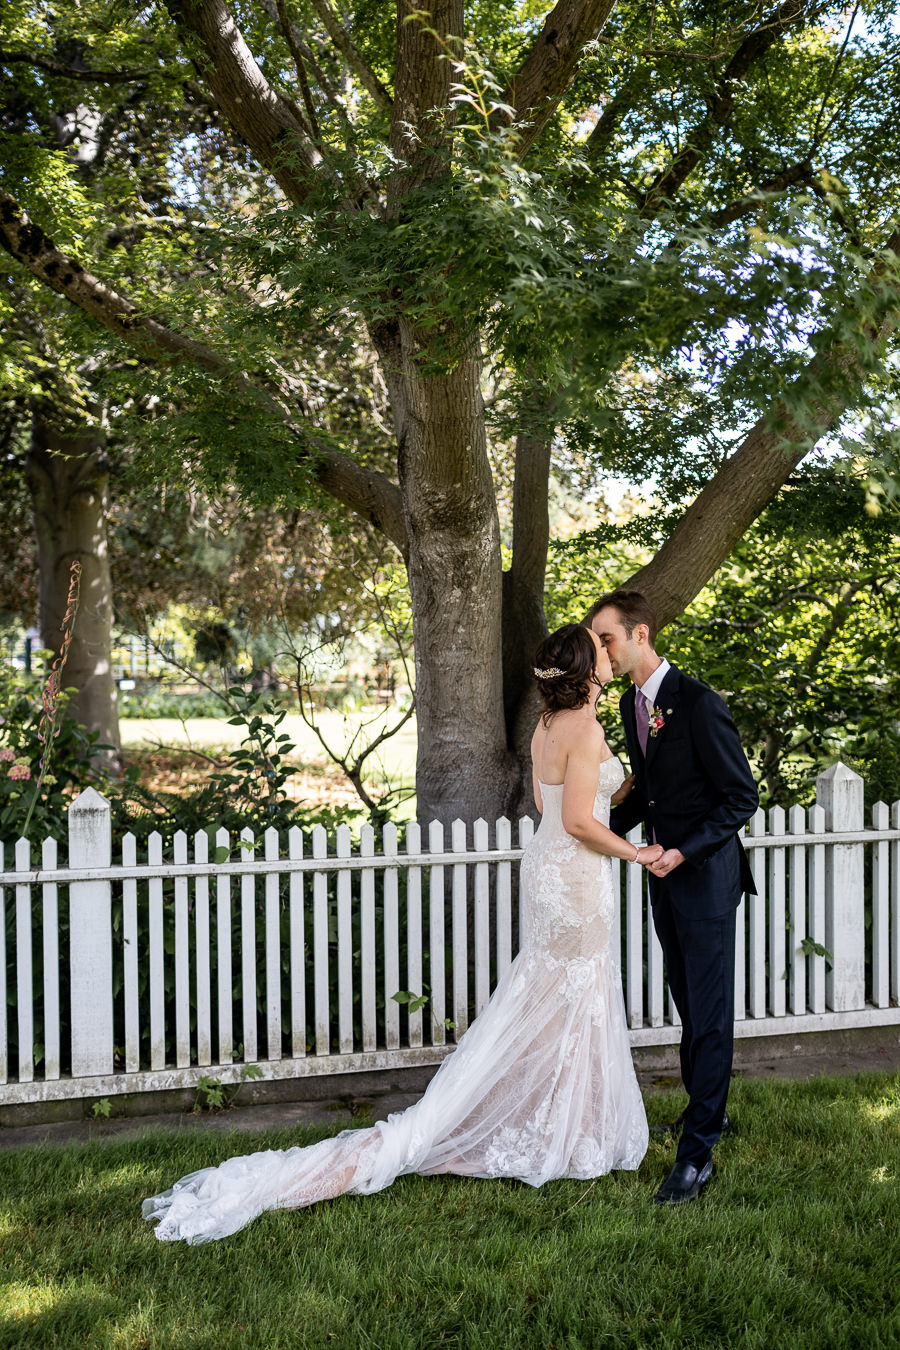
pixel 885 1110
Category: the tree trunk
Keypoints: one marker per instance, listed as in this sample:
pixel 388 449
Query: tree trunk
pixel 524 621
pixel 68 481
pixel 464 769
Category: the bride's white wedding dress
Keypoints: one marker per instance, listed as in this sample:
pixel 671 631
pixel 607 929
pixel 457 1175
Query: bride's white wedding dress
pixel 541 1086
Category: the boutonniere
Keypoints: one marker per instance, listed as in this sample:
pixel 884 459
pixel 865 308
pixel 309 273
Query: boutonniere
pixel 657 718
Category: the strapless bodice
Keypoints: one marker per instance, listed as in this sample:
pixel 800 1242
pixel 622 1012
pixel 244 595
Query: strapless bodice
pixel 610 778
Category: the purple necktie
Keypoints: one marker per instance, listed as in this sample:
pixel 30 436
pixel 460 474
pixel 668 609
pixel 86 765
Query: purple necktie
pixel 643 725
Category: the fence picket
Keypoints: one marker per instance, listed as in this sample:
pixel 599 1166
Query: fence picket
pixel 526 834
pixel 50 935
pixel 616 936
pixel 391 939
pixel 655 1003
pixel 130 959
pixel 634 938
pixel 503 923
pixel 740 961
pixel 201 943
pixel 297 941
pixel 414 928
pixel 156 955
pixel 368 972
pixel 895 906
pixel 436 937
pixel 345 947
pixel 482 918
pixel 757 915
pixel 778 968
pixel 459 932
pixel 4 1031
pixel 881 899
pixel 224 974
pixel 24 967
pixel 91 1011
pixel 321 1010
pixel 797 884
pixel 248 954
pixel 273 952
pixel 182 968
pixel 816 859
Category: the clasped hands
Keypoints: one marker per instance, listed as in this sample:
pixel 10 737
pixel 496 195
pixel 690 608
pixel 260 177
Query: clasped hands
pixel 655 858
pixel 663 861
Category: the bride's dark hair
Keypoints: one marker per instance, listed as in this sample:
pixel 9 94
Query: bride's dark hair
pixel 564 668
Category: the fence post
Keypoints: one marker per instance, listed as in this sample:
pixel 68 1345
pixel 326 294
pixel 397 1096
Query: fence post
pixel 90 937
pixel 840 792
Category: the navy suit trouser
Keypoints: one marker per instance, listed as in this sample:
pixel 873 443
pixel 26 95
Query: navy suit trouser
pixel 699 956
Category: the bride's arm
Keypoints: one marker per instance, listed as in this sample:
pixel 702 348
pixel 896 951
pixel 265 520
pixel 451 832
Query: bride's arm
pixel 579 794
pixel 535 781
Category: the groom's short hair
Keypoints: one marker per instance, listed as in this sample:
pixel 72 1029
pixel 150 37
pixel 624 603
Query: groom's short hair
pixel 634 608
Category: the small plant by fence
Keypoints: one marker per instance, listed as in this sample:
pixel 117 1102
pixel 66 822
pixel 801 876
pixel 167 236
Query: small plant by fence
pixel 290 952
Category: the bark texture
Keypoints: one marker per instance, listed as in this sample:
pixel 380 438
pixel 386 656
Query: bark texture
pixel 550 66
pixel 68 480
pixel 524 622
pixel 464 767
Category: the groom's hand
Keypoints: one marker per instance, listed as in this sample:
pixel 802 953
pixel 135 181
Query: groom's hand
pixel 667 862
pixel 622 792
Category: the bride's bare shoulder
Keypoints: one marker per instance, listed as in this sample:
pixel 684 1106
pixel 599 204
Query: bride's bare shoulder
pixel 570 727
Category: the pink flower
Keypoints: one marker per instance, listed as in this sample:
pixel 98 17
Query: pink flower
pixel 6 754
pixel 19 772
pixel 656 719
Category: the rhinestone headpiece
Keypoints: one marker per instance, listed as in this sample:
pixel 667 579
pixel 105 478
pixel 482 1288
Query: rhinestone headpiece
pixel 551 673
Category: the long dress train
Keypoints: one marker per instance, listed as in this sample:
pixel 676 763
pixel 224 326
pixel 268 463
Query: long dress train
pixel 541 1086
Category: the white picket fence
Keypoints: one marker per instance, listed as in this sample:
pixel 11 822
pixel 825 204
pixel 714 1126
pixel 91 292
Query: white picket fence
pixel 140 975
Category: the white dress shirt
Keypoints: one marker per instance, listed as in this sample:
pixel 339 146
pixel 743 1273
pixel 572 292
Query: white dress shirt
pixel 651 688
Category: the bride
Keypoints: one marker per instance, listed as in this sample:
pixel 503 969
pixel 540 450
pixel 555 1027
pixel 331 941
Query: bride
pixel 542 1084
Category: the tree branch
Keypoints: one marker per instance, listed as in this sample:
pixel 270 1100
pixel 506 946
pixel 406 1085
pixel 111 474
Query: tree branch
pixel 287 30
pixel 622 101
pixel 801 172
pixel 550 66
pixel 352 55
pixel 80 73
pixel 721 105
pixel 256 111
pixel 368 493
pixel 751 477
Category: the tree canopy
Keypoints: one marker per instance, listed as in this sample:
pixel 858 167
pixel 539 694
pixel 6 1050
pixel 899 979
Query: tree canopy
pixel 356 254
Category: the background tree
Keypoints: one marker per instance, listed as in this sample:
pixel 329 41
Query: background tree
pixel 700 284
pixel 798 630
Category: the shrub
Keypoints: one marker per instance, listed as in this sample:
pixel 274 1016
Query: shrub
pixel 69 762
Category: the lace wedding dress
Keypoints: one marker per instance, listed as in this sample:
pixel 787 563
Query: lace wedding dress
pixel 541 1085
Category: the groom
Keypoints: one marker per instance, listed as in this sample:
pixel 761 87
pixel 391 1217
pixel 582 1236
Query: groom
pixel 693 790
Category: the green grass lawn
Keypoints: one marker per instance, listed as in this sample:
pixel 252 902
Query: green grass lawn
pixel 398 754
pixel 795 1243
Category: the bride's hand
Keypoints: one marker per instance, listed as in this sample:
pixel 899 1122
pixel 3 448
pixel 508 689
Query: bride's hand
pixel 650 853
pixel 622 792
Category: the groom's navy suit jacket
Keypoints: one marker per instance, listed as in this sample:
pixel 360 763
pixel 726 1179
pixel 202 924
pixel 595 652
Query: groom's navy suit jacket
pixel 694 792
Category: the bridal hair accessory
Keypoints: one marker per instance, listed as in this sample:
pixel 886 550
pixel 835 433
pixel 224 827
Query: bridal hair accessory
pixel 551 673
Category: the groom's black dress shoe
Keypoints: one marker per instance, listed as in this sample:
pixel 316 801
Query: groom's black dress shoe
pixel 684 1183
